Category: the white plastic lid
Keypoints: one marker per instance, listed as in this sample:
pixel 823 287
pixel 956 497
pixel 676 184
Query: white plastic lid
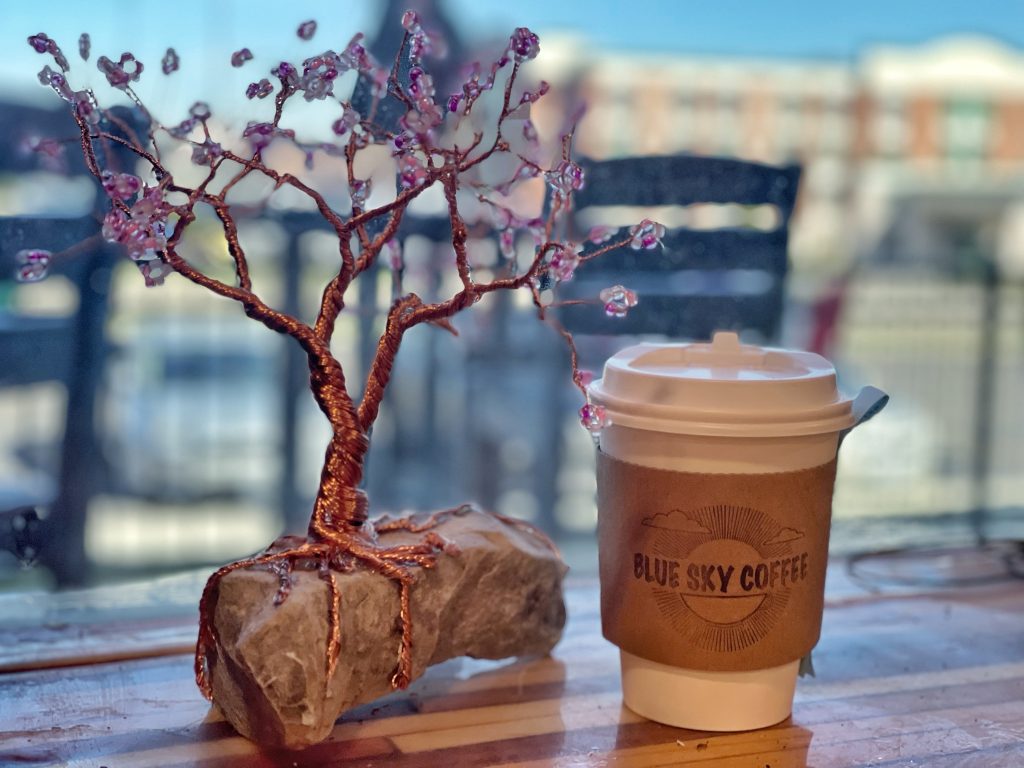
pixel 723 388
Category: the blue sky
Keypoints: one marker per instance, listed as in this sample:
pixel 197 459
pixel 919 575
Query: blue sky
pixel 830 28
pixel 206 31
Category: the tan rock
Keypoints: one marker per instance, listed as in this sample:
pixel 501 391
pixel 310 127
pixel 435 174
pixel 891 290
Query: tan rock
pixel 500 596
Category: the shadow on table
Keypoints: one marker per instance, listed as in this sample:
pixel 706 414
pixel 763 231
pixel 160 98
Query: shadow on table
pixel 474 712
pixel 782 746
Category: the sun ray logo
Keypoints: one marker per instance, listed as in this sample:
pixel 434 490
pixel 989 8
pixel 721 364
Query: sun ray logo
pixel 721 575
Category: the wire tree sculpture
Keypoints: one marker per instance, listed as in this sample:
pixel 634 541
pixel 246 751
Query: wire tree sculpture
pixel 150 214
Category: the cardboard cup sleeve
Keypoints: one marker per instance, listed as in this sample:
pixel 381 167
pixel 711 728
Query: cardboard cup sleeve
pixel 714 572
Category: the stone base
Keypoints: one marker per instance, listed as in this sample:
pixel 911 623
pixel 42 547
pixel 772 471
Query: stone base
pixel 500 596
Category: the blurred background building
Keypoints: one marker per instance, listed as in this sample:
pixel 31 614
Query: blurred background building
pixel 905 247
pixel 907 262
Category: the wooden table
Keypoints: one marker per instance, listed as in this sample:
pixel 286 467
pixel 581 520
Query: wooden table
pixel 905 678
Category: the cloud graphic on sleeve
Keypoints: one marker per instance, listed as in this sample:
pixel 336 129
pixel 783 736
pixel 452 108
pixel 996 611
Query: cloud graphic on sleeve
pixel 785 535
pixel 676 520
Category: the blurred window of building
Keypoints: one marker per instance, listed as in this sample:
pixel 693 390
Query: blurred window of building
pixel 891 127
pixel 967 125
pixel 836 127
pixel 683 119
pixel 788 125
pixel 729 127
pixel 621 121
pixel 1007 144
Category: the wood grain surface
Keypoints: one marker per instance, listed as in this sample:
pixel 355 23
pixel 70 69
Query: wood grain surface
pixel 931 679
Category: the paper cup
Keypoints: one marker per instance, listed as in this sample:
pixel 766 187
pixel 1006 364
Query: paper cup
pixel 715 478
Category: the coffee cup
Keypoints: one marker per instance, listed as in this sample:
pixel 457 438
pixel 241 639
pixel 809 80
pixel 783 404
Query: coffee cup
pixel 715 477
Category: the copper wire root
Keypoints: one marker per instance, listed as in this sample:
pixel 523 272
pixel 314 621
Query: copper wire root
pixel 399 563
pixel 334 622
pixel 207 641
pixel 337 552
pixel 403 672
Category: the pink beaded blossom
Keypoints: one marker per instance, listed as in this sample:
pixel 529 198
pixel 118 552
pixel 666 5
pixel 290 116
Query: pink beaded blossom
pixel 355 55
pixel 206 153
pixel 286 73
pixel 618 300
pixel 410 21
pixel 593 417
pixel 421 42
pixel 259 90
pixel 410 172
pixel 57 81
pixel 475 84
pixel 85 107
pixel 360 191
pixel 306 30
pixel 403 142
pixel 647 234
pixel 348 120
pixel 151 205
pixel 42 44
pixel 170 62
pixel 524 44
pixel 259 134
pixel 120 186
pixel 565 178
pixel 84 46
pixel 420 45
pixel 421 85
pixel 239 57
pixel 426 114
pixel 142 230
pixel 154 271
pixel 124 71
pixel 32 265
pixel 319 74
pixel 529 97
pixel 183 129
pixel 564 261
